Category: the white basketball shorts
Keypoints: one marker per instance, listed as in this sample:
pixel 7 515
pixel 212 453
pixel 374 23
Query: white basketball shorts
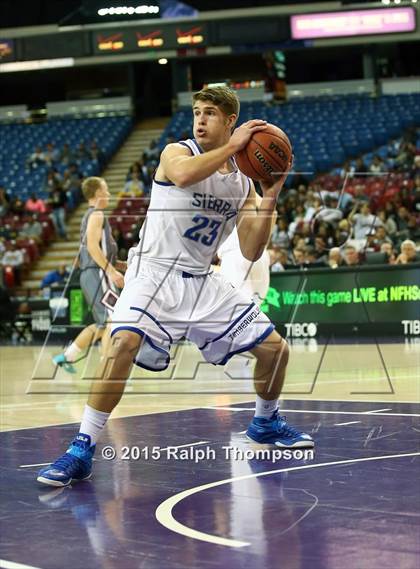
pixel 164 306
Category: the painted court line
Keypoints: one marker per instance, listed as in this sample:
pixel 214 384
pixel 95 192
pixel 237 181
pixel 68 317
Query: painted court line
pixel 348 423
pixel 187 445
pixel 377 411
pixel 165 517
pixel 317 411
pixel 12 565
pixel 40 464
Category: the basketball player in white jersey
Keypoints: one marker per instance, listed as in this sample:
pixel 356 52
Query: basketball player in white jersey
pixel 198 197
pixel 252 279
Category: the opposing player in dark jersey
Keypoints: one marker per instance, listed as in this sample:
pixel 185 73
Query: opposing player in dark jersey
pixel 99 271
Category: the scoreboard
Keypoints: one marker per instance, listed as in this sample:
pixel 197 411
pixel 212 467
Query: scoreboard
pixel 144 38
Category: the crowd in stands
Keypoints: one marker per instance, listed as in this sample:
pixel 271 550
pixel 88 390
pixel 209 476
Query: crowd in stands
pixel 26 227
pixel 361 213
pixel 367 211
pixel 133 200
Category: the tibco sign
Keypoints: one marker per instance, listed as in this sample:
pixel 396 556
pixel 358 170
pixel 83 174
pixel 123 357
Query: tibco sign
pixel 301 330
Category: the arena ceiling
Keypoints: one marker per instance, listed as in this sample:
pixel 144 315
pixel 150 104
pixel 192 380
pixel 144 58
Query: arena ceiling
pixel 42 12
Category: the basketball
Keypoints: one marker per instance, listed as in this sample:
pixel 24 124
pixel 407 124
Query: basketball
pixel 267 151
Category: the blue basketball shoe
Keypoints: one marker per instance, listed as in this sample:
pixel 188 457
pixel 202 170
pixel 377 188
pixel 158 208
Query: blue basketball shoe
pixel 60 361
pixel 74 464
pixel 275 432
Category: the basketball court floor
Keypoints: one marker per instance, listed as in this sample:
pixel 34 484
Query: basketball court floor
pixel 186 490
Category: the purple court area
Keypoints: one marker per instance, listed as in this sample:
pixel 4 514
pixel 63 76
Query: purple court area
pixel 362 514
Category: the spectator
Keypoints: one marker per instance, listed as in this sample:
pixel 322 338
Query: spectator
pixel 359 167
pixel 408 253
pixel 4 202
pixel 334 258
pixel 6 232
pixel 278 260
pixel 135 167
pixel 15 258
pixel 53 179
pixel 32 230
pixel 381 236
pixel 299 256
pixel 58 200
pixel 313 258
pixel 388 249
pixel 343 232
pixel 359 194
pixel 71 185
pixel 351 256
pixel 413 228
pixel 152 153
pixel 346 169
pixel 36 159
pixel 17 207
pixel 95 152
pixel 415 169
pixel 133 188
pixel 75 176
pixel 320 249
pixel 55 277
pixel 82 153
pixel 388 222
pixel 279 235
pixel 35 204
pixel 363 221
pixel 51 155
pixel 377 166
pixel 66 155
pixel 401 220
pixel 405 157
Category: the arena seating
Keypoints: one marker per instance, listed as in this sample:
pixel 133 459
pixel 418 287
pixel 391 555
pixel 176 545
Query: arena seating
pixel 18 141
pixel 325 131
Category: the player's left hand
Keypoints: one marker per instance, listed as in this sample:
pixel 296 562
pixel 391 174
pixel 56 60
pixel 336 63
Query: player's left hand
pixel 272 189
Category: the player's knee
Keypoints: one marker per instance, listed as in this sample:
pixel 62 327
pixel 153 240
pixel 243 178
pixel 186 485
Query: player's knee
pixel 125 344
pixel 275 353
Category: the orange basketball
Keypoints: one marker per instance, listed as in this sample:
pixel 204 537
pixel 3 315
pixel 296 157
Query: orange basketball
pixel 268 152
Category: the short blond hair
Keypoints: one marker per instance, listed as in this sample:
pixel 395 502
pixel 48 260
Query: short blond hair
pixel 223 97
pixel 90 186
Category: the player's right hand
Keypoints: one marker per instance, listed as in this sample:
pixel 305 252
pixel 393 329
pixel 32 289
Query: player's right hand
pixel 243 133
pixel 117 278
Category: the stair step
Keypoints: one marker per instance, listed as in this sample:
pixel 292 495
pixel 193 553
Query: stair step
pixel 63 245
pixel 33 285
pixel 51 264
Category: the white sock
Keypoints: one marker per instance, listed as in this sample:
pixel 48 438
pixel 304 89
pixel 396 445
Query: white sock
pixel 72 352
pixel 265 408
pixel 93 422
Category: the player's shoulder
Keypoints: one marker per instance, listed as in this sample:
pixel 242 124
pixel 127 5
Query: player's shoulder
pixel 96 216
pixel 175 148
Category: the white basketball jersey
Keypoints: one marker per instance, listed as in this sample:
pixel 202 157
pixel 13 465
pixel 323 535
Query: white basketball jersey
pixel 184 227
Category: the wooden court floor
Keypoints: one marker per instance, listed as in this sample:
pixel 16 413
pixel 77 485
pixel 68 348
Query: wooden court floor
pixel 34 394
